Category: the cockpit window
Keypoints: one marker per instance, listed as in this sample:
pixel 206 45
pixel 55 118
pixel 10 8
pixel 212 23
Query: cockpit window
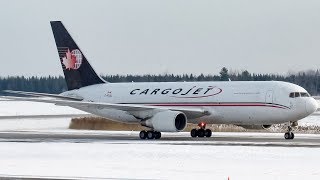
pixel 299 94
pixel 303 94
pixel 291 95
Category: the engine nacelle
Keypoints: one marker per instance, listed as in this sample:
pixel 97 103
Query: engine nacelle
pixel 256 126
pixel 167 121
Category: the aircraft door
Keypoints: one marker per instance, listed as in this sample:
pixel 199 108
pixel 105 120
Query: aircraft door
pixel 269 96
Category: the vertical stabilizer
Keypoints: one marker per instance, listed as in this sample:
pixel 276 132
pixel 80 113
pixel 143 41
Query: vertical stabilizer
pixel 77 70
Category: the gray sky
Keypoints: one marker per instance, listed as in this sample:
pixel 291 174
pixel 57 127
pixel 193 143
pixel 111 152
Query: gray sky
pixel 167 36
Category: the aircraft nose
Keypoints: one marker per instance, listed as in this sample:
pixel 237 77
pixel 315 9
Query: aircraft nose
pixel 311 105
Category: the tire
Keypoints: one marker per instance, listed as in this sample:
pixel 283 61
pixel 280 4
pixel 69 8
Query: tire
pixel 287 135
pixel 143 134
pixel 201 133
pixel 150 134
pixel 157 135
pixel 208 133
pixel 292 136
pixel 194 133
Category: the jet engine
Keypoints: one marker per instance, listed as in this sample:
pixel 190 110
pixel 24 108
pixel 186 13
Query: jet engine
pixel 167 121
pixel 255 126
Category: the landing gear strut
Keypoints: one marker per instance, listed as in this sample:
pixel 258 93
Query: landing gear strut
pixel 289 134
pixel 202 132
pixel 150 135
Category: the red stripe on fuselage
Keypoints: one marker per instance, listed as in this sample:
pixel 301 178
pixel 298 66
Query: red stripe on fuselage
pixel 222 105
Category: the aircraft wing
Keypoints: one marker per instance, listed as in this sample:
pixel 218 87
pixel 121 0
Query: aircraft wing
pixel 191 113
pixel 35 94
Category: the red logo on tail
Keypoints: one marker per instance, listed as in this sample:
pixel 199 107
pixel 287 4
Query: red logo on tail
pixel 72 60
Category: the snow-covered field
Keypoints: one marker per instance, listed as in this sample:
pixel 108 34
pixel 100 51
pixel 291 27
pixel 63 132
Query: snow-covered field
pixel 34 124
pixel 22 108
pixel 18 108
pixel 118 159
pixel 156 161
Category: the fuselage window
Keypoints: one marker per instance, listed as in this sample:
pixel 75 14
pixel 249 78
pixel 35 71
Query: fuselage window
pixel 291 95
pixel 296 94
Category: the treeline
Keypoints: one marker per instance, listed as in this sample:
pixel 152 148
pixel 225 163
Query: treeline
pixel 308 79
pixel 49 84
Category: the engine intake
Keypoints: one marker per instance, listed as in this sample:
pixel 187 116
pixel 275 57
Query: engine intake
pixel 167 121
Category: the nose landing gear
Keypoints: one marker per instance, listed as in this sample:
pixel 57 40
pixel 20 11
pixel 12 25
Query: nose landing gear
pixel 289 134
pixel 202 132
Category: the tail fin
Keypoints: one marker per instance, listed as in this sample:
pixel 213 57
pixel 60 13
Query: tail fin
pixel 77 70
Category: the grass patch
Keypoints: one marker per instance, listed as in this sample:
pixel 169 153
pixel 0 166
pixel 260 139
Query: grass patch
pixel 98 123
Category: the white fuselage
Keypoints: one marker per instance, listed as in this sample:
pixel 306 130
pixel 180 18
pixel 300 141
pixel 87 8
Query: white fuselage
pixel 233 102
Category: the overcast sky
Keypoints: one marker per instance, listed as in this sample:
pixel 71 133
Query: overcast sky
pixel 167 36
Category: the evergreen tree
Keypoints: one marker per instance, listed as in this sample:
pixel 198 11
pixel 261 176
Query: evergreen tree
pixel 224 76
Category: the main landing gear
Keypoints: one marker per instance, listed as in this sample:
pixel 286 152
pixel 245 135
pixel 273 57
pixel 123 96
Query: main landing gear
pixel 150 135
pixel 202 132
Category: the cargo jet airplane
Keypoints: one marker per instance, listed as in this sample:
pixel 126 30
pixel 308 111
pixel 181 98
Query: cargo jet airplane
pixel 169 106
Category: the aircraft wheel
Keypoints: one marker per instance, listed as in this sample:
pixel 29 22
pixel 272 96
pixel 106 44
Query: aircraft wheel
pixel 288 135
pixel 201 133
pixel 143 134
pixel 157 135
pixel 208 132
pixel 194 133
pixel 150 135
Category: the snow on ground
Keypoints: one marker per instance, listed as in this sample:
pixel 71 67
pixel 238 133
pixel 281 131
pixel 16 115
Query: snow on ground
pixel 34 124
pixel 17 108
pixel 23 108
pixel 157 161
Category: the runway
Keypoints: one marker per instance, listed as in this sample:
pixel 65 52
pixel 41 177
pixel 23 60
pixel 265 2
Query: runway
pixel 127 137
